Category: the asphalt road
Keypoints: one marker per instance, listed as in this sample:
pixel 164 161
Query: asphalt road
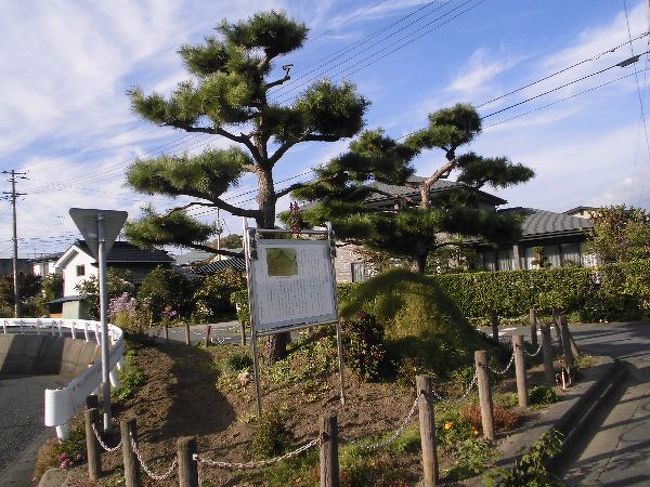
pixel 21 424
pixel 615 450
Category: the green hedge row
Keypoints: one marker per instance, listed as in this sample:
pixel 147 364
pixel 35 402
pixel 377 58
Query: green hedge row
pixel 613 291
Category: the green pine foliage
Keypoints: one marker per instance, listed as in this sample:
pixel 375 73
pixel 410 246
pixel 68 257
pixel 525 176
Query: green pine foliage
pixel 411 226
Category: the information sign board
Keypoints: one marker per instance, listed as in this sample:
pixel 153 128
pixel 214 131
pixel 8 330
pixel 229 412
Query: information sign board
pixel 292 283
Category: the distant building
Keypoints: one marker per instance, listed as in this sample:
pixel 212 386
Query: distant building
pixel 77 264
pixel 45 264
pixel 7 267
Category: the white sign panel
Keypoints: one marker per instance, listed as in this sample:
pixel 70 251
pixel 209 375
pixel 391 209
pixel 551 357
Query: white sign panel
pixel 292 283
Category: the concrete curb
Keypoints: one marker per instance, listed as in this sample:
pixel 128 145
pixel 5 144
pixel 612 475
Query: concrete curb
pixel 569 416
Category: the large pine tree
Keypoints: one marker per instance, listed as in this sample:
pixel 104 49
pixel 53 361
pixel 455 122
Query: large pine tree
pixel 226 95
pixel 413 225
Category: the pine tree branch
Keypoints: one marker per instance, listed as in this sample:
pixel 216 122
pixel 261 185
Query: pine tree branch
pixel 189 205
pixel 236 211
pixel 207 248
pixel 242 138
pixel 277 82
pixel 305 137
pixel 288 190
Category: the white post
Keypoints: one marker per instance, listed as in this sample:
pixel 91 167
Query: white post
pixel 86 331
pixel 103 312
pixel 74 335
pixel 38 327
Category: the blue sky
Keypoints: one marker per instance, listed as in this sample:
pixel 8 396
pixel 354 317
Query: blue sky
pixel 64 116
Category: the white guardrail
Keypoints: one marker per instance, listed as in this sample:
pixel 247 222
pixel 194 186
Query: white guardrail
pixel 61 405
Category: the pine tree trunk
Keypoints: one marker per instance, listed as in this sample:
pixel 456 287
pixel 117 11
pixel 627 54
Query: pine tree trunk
pixel 275 346
pixel 421 264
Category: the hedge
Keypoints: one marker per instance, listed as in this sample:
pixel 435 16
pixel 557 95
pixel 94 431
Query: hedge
pixel 612 291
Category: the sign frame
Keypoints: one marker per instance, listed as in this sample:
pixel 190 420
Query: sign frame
pixel 251 254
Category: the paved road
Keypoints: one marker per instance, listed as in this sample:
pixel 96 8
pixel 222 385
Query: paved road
pixel 21 425
pixel 225 332
pixel 615 451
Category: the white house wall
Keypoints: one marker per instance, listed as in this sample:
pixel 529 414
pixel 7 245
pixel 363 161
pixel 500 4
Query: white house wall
pixel 70 278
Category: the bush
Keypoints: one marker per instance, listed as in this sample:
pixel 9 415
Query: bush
pixel 542 396
pixel 272 437
pixel 214 293
pixel 504 419
pixel 238 361
pixel 364 349
pixel 613 291
pixel 418 319
pixel 131 377
pixel 162 288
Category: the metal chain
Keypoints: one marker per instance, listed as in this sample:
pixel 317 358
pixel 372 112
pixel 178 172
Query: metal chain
pixel 393 436
pixel 152 475
pixel 501 372
pixel 462 396
pixel 261 463
pixel 102 444
pixel 539 349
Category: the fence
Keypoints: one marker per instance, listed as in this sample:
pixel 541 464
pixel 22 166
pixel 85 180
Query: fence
pixel 61 405
pixel 189 459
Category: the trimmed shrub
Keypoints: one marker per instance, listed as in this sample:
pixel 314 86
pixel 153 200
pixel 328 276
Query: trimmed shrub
pixel 419 320
pixel 272 436
pixel 613 291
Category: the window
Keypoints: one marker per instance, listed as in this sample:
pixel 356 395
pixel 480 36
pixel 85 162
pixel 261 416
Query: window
pixel 570 253
pixel 504 259
pixel 489 260
pixel 358 271
pixel 81 270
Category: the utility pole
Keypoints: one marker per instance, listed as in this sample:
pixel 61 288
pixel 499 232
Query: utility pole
pixel 220 229
pixel 12 197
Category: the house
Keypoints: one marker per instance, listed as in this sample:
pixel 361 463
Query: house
pixel 7 267
pixel 193 257
pixel 560 236
pixel 77 264
pixel 45 264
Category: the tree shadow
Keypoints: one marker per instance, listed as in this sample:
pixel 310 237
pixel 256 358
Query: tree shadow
pixel 198 407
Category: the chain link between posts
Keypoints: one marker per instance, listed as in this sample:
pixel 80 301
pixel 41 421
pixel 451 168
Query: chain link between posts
pixel 261 463
pixel 396 434
pixel 503 371
pixel 101 443
pixel 152 475
pixel 539 349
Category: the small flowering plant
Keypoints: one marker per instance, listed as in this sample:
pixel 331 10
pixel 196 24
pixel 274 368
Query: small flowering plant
pixel 65 461
pixel 122 312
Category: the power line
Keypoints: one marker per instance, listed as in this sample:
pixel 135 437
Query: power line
pixel 566 98
pixel 565 69
pixel 625 62
pixel 396 45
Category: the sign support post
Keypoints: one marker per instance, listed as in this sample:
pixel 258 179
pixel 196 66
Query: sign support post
pixel 103 312
pixel 99 228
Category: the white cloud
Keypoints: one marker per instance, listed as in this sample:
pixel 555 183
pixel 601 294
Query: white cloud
pixel 479 70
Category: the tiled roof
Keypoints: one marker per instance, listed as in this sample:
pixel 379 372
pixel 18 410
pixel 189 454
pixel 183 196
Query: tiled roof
pixel 413 191
pixel 126 252
pixel 48 257
pixel 193 256
pixel 236 263
pixel 542 223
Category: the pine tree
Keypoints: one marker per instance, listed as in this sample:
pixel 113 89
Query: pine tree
pixel 227 96
pixel 413 225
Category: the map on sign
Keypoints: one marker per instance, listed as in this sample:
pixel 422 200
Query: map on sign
pixel 292 283
pixel 281 262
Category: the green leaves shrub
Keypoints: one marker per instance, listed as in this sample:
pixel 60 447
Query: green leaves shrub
pixel 272 436
pixel 364 349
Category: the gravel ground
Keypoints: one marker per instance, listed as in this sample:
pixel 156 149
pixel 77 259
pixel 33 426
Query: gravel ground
pixel 21 421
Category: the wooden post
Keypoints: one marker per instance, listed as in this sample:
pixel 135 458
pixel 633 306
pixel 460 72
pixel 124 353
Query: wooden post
pixel 329 451
pixel 166 329
pixel 484 394
pixel 427 430
pixel 242 333
pixel 547 351
pixel 574 346
pixel 532 317
pixel 131 466
pixel 494 321
pixel 566 341
pixel 520 370
pixel 208 330
pixel 188 474
pixel 188 340
pixel 93 452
